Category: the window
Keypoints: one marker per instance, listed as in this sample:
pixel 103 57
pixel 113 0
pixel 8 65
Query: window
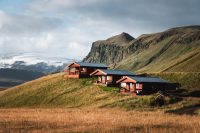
pixel 83 69
pixel 108 77
pixel 72 69
pixel 123 84
pixel 137 86
pixel 131 85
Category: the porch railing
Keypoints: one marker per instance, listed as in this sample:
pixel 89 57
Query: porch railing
pixel 71 73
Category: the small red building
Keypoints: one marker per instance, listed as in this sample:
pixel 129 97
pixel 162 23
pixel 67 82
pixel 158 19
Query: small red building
pixel 82 69
pixel 141 84
pixel 109 77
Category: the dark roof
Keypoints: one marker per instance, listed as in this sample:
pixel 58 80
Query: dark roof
pixel 98 65
pixel 117 72
pixel 148 79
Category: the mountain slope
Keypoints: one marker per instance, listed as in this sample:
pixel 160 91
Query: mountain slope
pixel 174 50
pixel 56 91
pixel 110 50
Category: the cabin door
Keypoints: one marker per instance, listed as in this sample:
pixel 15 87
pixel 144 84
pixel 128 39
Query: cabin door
pixel 127 87
pixel 132 87
pixel 104 79
pixel 99 79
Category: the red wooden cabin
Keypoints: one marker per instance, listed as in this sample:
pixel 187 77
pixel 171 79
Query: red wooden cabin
pixel 141 84
pixel 109 77
pixel 82 69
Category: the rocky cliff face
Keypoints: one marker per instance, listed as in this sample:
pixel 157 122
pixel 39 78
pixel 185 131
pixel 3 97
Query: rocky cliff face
pixel 148 52
pixel 110 50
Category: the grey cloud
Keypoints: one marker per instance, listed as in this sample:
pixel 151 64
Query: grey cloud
pixel 62 26
pixel 23 24
pixel 151 15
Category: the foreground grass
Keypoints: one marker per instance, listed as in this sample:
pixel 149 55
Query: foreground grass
pixel 98 120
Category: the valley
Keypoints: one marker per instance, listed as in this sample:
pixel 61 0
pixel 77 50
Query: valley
pixel 12 77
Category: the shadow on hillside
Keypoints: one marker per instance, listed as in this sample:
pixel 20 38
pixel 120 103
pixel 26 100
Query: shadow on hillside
pixel 185 93
pixel 188 110
pixel 195 93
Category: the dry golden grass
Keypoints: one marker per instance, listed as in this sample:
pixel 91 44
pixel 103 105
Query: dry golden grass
pixel 98 120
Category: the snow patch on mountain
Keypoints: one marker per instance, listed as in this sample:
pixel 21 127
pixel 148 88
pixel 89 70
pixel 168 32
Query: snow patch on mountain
pixel 6 61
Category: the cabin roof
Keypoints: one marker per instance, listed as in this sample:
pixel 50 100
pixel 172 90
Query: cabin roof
pixel 117 72
pixel 148 79
pixel 86 64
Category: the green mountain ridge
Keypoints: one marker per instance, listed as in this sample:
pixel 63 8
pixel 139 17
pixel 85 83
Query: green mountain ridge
pixel 174 50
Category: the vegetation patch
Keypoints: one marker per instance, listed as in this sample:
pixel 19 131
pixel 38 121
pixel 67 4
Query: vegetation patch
pixel 110 89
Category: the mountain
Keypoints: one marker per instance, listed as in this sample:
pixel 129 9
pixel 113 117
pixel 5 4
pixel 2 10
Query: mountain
pixel 11 77
pixel 109 51
pixel 33 62
pixel 173 50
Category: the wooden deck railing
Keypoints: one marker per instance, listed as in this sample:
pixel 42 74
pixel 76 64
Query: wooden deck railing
pixel 71 73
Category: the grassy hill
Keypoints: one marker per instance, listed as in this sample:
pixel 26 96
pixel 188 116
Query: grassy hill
pixel 57 91
pixel 174 50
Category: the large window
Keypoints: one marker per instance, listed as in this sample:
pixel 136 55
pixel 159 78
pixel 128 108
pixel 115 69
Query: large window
pixel 131 85
pixel 123 84
pixel 137 86
pixel 103 78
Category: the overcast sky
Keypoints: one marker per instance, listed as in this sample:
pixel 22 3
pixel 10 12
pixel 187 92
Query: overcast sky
pixel 67 28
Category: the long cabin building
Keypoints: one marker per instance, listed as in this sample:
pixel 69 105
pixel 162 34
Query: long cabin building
pixel 109 77
pixel 141 84
pixel 82 69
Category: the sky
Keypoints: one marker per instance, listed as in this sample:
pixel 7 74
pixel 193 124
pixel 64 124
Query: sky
pixel 67 28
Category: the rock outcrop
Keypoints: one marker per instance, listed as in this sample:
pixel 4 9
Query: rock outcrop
pixel 111 50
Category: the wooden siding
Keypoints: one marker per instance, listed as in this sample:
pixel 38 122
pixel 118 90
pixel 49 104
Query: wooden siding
pixel 79 72
pixel 104 80
pixel 130 87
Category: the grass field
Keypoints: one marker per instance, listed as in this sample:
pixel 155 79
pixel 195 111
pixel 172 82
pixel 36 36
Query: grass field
pixel 56 104
pixel 98 120
pixel 57 91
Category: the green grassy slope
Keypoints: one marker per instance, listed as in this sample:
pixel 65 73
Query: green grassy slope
pixel 175 50
pixel 190 82
pixel 57 91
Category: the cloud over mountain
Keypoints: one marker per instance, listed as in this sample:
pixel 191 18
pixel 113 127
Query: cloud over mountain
pixel 67 27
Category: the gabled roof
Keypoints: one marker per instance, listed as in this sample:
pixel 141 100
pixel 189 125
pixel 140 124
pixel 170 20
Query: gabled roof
pixel 148 79
pixel 86 64
pixel 114 72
